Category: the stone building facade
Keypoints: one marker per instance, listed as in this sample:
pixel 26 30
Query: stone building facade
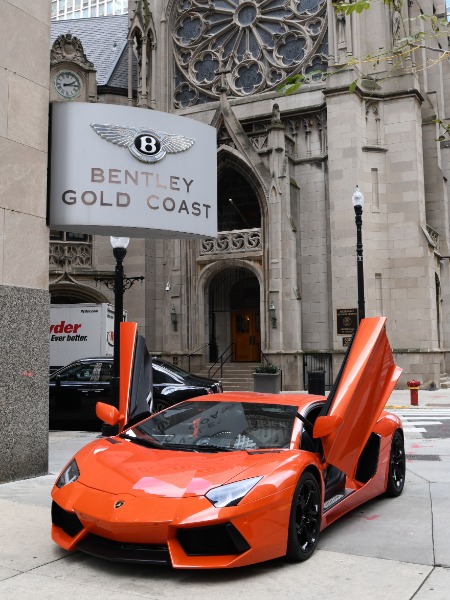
pixel 24 297
pixel 282 271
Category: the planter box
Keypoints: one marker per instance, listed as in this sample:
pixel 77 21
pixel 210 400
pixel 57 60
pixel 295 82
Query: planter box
pixel 269 383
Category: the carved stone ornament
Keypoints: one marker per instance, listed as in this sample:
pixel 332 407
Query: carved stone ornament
pixel 258 43
pixel 67 47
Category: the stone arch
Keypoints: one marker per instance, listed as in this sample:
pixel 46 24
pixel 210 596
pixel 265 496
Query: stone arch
pixel 61 292
pixel 206 280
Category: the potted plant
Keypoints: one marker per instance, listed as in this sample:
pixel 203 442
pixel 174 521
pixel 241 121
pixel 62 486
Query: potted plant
pixel 267 378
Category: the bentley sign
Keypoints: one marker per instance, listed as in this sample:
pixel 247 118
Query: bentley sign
pixel 119 170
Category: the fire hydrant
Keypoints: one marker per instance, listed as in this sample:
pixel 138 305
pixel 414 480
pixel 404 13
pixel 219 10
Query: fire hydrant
pixel 414 390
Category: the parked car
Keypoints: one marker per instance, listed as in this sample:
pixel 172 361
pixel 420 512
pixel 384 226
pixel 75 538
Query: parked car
pixel 76 389
pixel 233 479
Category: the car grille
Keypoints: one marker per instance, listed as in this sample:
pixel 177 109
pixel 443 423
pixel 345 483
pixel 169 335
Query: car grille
pixel 68 521
pixel 214 540
pixel 124 551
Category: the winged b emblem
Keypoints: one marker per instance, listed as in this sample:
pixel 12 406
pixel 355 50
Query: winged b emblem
pixel 147 145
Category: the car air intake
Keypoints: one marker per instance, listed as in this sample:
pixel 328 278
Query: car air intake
pixel 215 540
pixel 124 552
pixel 68 521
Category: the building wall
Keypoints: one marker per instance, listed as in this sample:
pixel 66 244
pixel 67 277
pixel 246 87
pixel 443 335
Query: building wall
pixel 24 300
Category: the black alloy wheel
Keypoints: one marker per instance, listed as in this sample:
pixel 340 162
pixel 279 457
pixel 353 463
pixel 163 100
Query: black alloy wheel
pixel 397 466
pixel 304 523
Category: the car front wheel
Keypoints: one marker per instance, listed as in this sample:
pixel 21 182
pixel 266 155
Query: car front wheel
pixel 304 523
pixel 397 466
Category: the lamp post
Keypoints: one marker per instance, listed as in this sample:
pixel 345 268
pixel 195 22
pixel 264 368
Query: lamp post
pixel 119 245
pixel 358 204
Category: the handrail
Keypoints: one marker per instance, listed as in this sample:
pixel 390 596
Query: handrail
pixel 262 356
pixel 191 353
pixel 222 359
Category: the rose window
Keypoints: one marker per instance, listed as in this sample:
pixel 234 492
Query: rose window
pixel 249 45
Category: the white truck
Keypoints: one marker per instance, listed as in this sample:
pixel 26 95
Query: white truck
pixel 80 331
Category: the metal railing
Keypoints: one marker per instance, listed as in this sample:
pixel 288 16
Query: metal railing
pixel 188 356
pixel 226 355
pixel 262 357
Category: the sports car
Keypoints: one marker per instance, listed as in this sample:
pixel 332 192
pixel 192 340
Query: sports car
pixel 236 478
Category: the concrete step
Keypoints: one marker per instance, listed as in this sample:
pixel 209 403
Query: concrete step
pixel 235 376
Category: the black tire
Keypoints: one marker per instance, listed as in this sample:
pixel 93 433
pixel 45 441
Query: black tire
pixel 397 466
pixel 304 522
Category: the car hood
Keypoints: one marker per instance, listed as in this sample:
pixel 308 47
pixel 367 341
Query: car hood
pixel 126 467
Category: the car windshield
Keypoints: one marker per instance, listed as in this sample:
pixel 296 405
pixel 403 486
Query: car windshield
pixel 218 426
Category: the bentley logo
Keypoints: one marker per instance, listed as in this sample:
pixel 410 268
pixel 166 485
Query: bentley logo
pixel 119 503
pixel 146 145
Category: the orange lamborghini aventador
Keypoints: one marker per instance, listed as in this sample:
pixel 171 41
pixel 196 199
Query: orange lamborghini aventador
pixel 233 479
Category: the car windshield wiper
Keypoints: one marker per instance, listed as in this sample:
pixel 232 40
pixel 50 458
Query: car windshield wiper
pixel 150 443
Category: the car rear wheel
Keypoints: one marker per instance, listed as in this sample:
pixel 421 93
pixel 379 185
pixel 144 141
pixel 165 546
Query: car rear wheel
pixel 304 523
pixel 397 466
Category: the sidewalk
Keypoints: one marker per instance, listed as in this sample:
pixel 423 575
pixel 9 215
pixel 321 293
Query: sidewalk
pixel 435 399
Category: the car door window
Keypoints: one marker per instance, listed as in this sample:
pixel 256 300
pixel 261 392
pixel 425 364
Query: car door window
pixel 106 372
pixel 83 373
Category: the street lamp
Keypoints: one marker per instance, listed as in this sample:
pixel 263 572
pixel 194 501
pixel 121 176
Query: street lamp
pixel 119 245
pixel 358 204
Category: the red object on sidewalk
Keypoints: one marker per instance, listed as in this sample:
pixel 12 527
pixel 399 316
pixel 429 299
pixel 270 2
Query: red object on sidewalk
pixel 414 390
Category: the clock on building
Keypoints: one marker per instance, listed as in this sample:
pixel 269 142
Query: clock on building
pixel 67 84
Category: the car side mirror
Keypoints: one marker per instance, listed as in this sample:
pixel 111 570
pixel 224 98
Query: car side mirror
pixel 58 380
pixel 326 425
pixel 108 414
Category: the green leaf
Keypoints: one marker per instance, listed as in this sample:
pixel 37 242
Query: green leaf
pixel 293 88
pixel 352 86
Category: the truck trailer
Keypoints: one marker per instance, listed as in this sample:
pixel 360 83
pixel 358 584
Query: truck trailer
pixel 80 331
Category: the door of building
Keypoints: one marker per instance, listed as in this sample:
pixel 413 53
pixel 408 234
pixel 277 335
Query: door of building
pixel 246 335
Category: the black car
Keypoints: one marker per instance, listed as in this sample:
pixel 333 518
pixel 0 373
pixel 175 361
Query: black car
pixel 75 390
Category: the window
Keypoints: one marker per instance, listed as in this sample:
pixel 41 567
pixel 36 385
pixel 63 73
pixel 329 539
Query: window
pixel 67 236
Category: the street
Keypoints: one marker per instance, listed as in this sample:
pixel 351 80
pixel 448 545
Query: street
pixel 389 548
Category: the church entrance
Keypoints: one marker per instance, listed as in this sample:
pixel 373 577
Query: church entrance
pixel 234 316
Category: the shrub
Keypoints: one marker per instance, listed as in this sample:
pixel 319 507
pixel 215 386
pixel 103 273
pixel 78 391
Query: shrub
pixel 267 368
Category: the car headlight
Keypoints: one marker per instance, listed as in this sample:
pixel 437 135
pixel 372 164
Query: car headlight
pixel 231 493
pixel 70 474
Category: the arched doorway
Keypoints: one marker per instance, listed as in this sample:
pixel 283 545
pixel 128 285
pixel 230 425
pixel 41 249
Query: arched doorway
pixel 234 315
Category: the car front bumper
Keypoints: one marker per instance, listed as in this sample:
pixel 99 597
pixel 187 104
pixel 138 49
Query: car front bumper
pixel 185 532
